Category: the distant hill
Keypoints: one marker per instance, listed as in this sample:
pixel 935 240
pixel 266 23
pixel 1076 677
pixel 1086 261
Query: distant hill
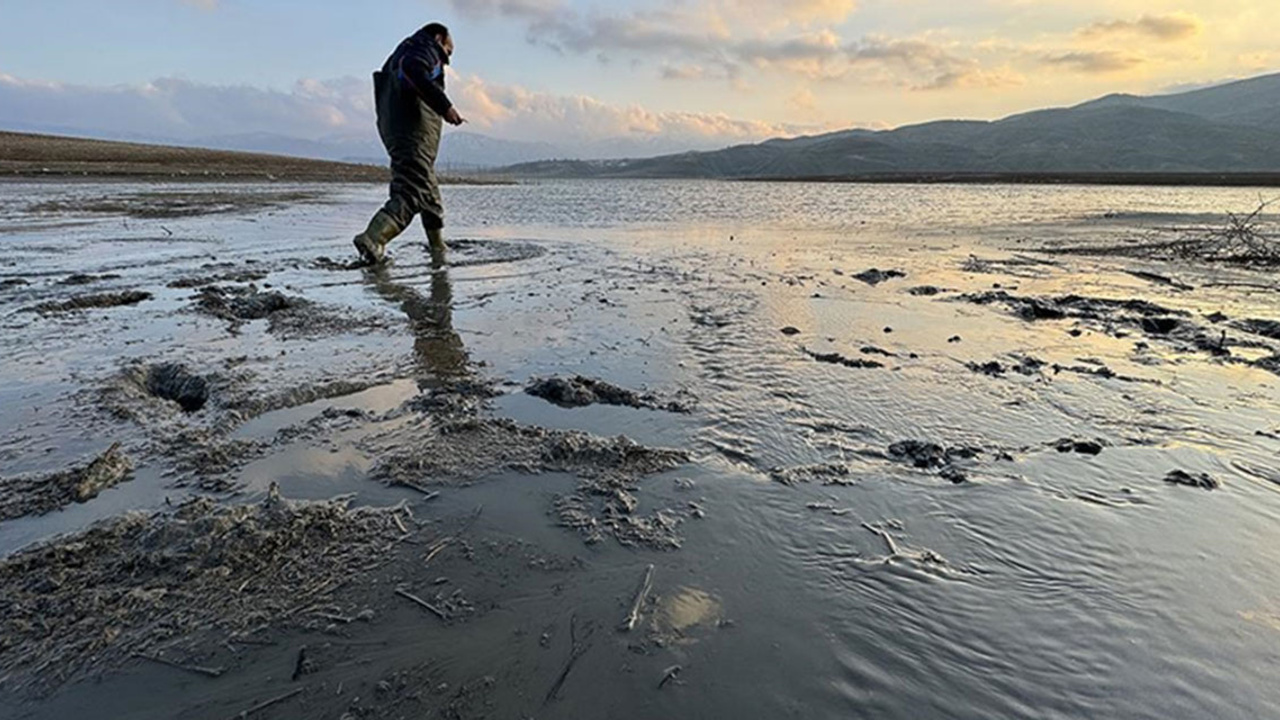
pixel 1230 128
pixel 26 155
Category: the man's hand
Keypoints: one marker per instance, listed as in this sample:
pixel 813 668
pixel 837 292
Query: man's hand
pixel 453 118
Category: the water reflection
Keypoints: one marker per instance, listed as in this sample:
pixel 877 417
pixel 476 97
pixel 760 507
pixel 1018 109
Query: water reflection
pixel 438 349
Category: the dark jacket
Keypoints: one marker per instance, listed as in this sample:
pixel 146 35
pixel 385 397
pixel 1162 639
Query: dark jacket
pixel 415 71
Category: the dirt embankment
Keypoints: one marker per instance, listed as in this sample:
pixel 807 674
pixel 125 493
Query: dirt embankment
pixel 24 155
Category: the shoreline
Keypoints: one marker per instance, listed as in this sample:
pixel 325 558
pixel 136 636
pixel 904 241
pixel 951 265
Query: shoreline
pixel 1066 178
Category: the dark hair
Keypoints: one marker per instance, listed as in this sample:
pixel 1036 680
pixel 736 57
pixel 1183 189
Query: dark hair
pixel 436 30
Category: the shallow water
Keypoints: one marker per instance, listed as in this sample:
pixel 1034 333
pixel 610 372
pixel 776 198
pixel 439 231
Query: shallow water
pixel 1049 584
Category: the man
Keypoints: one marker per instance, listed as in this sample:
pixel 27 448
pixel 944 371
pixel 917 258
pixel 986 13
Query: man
pixel 411 105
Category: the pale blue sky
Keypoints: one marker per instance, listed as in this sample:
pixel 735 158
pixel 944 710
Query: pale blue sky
pixel 733 68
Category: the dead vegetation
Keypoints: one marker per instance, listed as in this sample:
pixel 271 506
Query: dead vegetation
pixel 89 602
pixel 1246 240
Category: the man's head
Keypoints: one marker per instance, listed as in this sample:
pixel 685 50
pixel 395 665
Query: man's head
pixel 442 36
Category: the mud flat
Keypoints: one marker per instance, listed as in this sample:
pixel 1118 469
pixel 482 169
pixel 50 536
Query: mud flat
pixel 703 467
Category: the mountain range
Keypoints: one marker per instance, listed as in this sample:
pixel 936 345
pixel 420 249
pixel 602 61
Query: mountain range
pixel 1228 128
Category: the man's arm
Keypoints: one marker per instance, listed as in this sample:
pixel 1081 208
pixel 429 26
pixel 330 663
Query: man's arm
pixel 421 70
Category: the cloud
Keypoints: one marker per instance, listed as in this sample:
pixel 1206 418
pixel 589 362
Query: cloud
pixel 178 110
pixel 203 4
pixel 514 112
pixel 1165 28
pixel 1094 62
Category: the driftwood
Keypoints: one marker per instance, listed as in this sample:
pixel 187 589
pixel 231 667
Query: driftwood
pixel 423 603
pixel 266 704
pixel 576 650
pixel 206 671
pixel 633 617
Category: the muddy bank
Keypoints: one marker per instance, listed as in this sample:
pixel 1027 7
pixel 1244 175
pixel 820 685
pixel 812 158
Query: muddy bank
pixel 39 495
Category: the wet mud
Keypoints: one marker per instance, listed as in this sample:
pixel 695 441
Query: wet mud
pixel 336 494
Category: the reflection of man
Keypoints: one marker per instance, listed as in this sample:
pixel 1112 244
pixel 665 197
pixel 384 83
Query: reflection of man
pixel 412 107
pixel 437 347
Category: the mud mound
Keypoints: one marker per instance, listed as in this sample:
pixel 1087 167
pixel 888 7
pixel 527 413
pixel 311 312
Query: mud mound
pixel 468 450
pixel 92 301
pixel 242 304
pixel 215 273
pixel 1197 480
pixel 39 495
pixel 86 603
pixel 604 504
pixel 579 391
pixel 925 291
pixel 835 358
pixel 86 279
pixel 1070 306
pixel 924 455
pixel 875 276
pixel 827 474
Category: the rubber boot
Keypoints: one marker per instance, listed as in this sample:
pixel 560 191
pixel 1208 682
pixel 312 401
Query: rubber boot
pixel 437 247
pixel 372 243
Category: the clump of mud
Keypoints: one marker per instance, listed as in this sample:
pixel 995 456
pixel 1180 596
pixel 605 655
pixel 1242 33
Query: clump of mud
pixel 215 273
pixel 1024 365
pixel 86 279
pixel 826 473
pixel 468 450
pixel 1072 306
pixel 86 603
pixel 39 495
pixel 240 304
pixel 932 456
pixel 875 276
pixel 579 391
pixel 289 317
pixel 1197 480
pixel 92 301
pixel 925 291
pixel 835 358
pixel 1079 446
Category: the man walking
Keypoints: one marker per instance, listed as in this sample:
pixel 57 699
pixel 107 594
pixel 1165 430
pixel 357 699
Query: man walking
pixel 412 107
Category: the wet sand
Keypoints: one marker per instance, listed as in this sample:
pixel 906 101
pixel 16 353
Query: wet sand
pixel 603 467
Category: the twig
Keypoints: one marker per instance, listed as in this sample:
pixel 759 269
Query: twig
pixel 427 494
pixel 633 617
pixel 436 550
pixel 399 523
pixel 207 672
pixel 576 651
pixel 669 674
pixel 410 596
pixel 888 539
pixel 267 703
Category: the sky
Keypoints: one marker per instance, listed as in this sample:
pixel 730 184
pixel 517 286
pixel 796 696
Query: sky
pixel 565 71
